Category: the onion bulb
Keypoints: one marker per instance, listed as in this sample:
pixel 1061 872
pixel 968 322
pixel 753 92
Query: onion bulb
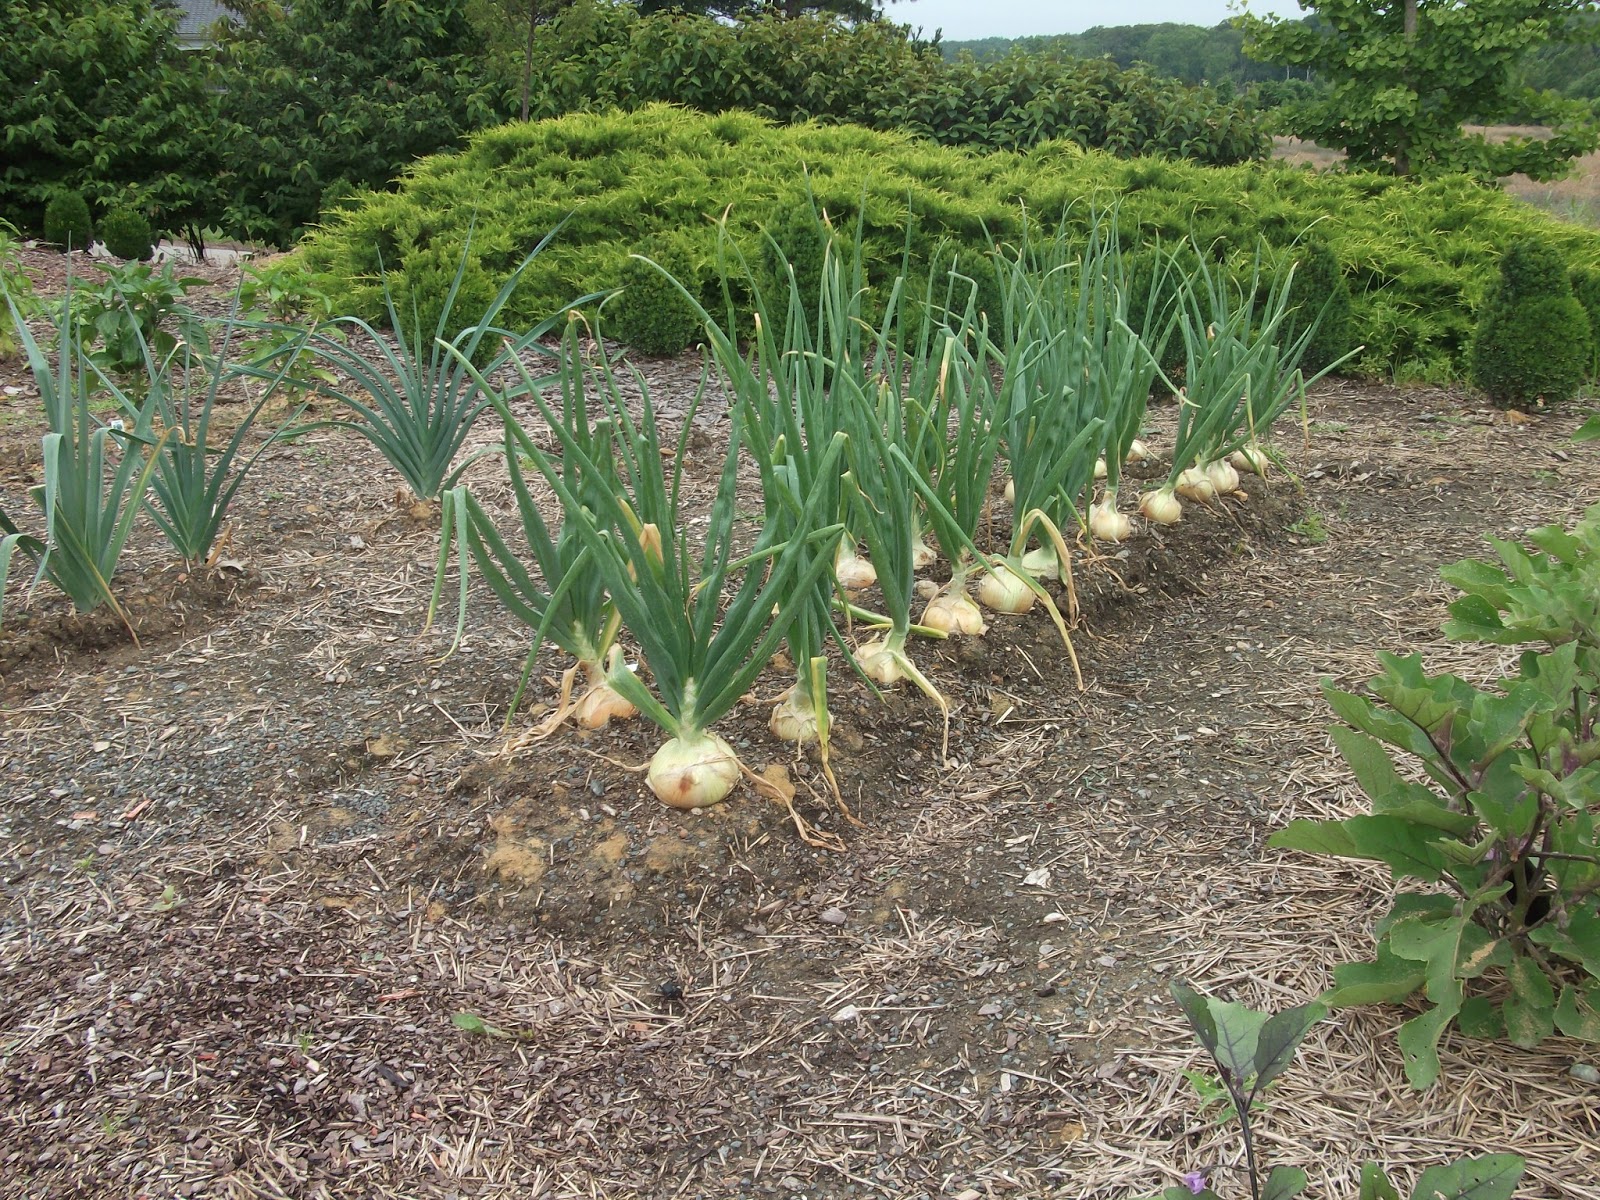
pixel 794 718
pixel 923 555
pixel 953 611
pixel 1042 563
pixel 1100 467
pixel 1003 590
pixel 1161 507
pixel 1193 485
pixel 1221 475
pixel 880 663
pixel 693 771
pixel 1011 491
pixel 1106 523
pixel 1249 457
pixel 851 570
pixel 1137 451
pixel 599 705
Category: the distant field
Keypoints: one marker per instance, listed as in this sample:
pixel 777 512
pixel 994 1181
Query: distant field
pixel 1575 198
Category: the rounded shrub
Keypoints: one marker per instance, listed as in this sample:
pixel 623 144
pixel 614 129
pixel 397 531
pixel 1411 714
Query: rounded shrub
pixel 1533 338
pixel 650 314
pixel 127 234
pixel 66 222
pixel 1320 288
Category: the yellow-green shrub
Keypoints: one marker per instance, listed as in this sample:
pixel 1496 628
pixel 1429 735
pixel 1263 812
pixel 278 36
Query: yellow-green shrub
pixel 1420 259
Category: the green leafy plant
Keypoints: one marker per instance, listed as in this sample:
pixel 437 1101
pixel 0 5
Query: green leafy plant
pixel 1404 78
pixel 1504 818
pixel 16 285
pixel 1251 1050
pixel 650 312
pixel 127 234
pixel 136 312
pixel 1533 341
pixel 422 395
pixel 67 223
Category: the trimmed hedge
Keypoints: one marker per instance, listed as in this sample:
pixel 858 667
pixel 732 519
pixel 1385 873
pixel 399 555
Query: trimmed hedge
pixel 1420 259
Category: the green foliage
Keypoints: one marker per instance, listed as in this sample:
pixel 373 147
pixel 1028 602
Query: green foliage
pixel 1250 1050
pixel 90 495
pixel 16 287
pixel 101 99
pixel 1586 287
pixel 322 96
pixel 1322 298
pixel 597 56
pixel 1419 257
pixel 417 402
pixel 136 312
pixel 1505 819
pixel 651 313
pixel 67 223
pixel 1398 97
pixel 127 234
pixel 1534 339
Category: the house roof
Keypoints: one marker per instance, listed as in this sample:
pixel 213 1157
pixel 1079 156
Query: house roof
pixel 195 17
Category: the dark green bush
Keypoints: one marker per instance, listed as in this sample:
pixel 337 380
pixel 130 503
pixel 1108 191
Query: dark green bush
pixel 1586 287
pixel 1320 290
pixel 1417 282
pixel 650 313
pixel 127 234
pixel 1533 340
pixel 596 56
pixel 99 98
pixel 66 222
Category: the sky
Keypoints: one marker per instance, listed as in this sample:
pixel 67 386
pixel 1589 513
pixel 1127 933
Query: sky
pixel 965 20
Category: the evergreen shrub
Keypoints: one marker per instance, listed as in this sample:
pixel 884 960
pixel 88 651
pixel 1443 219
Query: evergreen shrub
pixel 127 234
pixel 650 314
pixel 1419 258
pixel 66 221
pixel 1320 290
pixel 1533 340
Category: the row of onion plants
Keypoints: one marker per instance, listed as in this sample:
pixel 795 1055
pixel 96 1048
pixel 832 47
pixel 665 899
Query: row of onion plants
pixel 862 433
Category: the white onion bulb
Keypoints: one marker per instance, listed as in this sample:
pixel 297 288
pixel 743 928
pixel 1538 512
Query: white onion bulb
pixel 1251 458
pixel 602 703
pixel 1222 476
pixel 1193 485
pixel 693 772
pixel 1161 507
pixel 923 556
pixel 1003 590
pixel 1100 468
pixel 852 571
pixel 1042 563
pixel 954 612
pixel 1011 491
pixel 1106 523
pixel 792 721
pixel 1137 451
pixel 880 665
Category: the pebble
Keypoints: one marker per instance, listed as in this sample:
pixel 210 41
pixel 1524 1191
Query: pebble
pixel 1584 1073
pixel 834 916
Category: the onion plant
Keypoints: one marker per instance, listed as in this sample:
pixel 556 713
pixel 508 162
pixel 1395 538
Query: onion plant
pixel 421 398
pixel 92 487
pixel 566 602
pixel 1239 377
pixel 703 656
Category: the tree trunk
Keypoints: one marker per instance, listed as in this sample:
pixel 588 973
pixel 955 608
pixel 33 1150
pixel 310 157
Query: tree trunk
pixel 527 55
pixel 1402 150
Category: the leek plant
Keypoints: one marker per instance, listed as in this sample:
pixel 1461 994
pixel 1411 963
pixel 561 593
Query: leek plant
pixel 421 398
pixel 194 481
pixel 92 489
pixel 567 603
pixel 702 656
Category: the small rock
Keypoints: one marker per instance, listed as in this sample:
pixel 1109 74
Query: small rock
pixel 848 1013
pixel 834 916
pixel 1584 1073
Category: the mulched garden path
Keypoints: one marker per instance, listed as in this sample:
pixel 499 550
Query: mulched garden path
pixel 255 867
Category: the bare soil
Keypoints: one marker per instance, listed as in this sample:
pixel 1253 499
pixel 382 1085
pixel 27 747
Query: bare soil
pixel 257 864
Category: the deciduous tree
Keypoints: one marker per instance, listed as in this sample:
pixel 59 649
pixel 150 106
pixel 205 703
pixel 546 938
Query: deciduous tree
pixel 1405 75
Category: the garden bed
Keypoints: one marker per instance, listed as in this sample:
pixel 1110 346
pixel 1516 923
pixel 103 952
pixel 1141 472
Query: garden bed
pixel 256 865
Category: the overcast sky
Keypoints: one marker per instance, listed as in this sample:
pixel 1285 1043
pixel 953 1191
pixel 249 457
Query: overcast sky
pixel 964 20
